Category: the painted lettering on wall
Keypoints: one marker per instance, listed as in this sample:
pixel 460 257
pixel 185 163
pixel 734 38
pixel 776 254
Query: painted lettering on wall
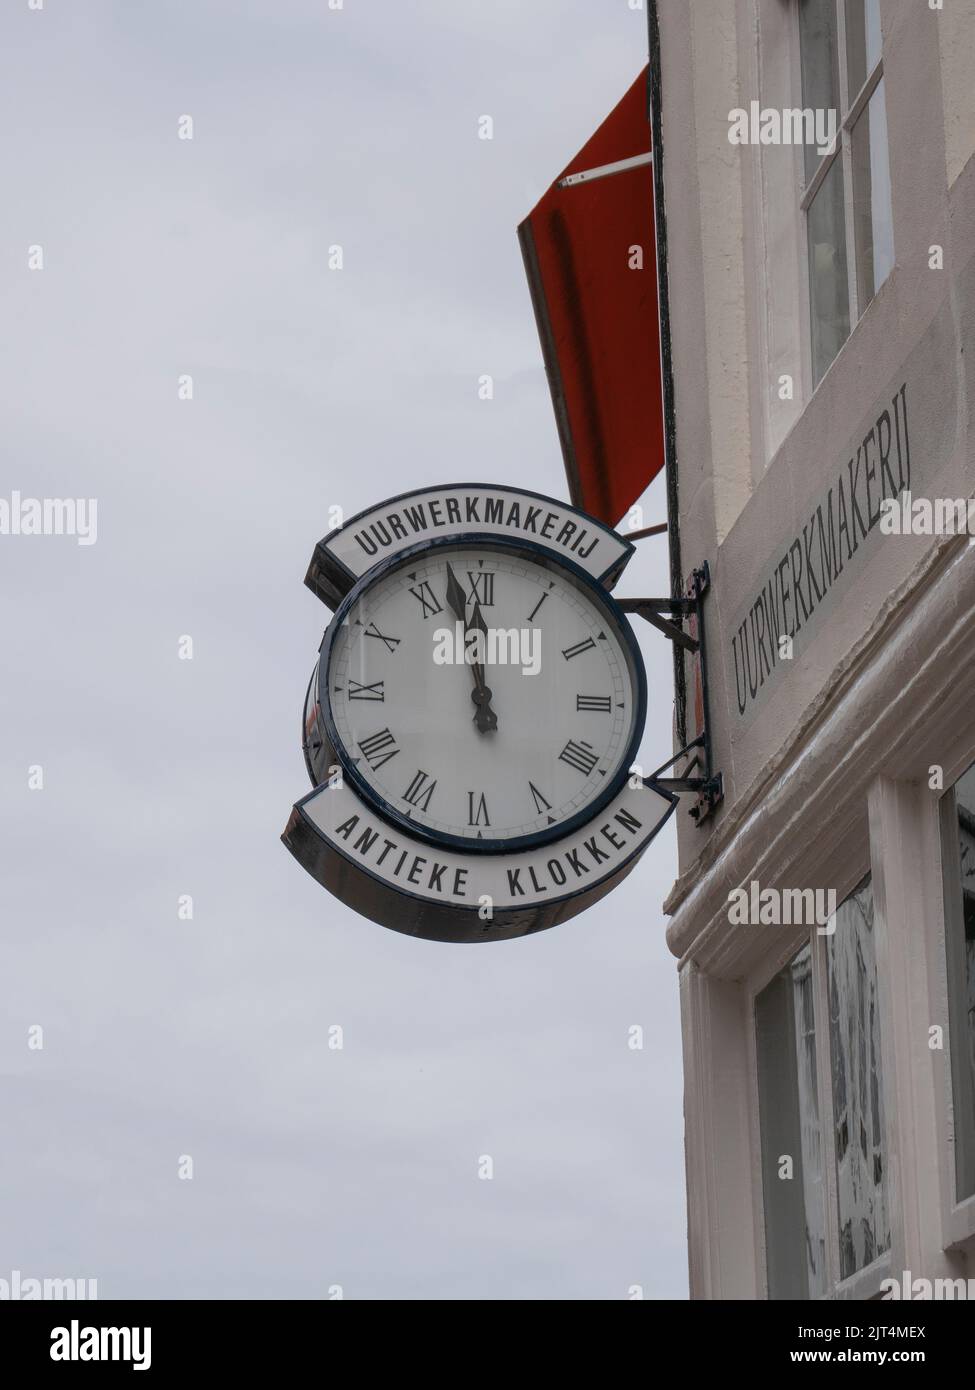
pixel 815 560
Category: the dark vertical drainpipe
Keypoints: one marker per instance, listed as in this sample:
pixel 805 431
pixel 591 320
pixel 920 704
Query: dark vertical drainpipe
pixel 663 300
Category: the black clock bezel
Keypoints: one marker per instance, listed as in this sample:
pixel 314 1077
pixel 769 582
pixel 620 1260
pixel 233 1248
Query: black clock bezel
pixel 544 557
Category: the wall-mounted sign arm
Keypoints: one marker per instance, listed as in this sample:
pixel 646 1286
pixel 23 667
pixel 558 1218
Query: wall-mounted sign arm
pixel 667 615
pixel 708 786
pixel 687 783
pixel 652 611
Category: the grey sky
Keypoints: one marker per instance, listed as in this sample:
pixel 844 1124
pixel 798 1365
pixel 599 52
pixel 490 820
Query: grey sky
pixel 164 777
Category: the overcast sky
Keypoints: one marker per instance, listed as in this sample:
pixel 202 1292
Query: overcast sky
pixel 209 1038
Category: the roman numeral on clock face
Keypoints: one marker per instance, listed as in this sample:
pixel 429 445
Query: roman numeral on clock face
pixel 580 756
pixel 570 652
pixel 531 615
pixel 540 803
pixel 601 704
pixel 391 643
pixel 477 813
pixel 482 588
pixel 420 790
pixel 366 692
pixel 377 749
pixel 427 598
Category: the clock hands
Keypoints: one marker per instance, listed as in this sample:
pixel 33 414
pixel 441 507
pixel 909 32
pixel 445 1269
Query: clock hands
pixel 455 594
pixel 484 716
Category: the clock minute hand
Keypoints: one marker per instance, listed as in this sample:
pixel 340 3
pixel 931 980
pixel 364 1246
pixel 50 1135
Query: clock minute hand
pixel 484 717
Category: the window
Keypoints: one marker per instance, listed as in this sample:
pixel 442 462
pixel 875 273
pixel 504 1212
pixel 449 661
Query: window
pixel 859 1129
pixel 795 1234
pixel 805 1258
pixel 958 857
pixel 846 200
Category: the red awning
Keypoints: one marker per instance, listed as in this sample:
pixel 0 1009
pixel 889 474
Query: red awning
pixel 597 311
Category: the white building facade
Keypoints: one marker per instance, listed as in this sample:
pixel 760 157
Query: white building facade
pixel 821 328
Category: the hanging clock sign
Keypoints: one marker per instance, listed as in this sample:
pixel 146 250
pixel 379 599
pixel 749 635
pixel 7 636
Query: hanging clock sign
pixel 473 716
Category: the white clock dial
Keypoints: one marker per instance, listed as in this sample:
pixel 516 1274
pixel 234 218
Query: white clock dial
pixel 489 752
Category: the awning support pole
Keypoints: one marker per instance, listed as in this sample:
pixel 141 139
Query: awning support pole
pixel 602 171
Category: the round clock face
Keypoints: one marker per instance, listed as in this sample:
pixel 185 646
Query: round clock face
pixel 482 694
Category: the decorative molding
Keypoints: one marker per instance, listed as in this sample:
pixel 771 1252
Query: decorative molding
pixel 900 700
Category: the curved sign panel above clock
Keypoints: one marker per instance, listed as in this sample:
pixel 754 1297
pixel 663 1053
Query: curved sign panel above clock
pixel 472 718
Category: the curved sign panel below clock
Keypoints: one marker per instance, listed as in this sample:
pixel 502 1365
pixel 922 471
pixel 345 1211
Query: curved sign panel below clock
pixel 447 895
pixel 470 727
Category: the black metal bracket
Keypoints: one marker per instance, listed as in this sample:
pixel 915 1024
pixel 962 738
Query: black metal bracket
pixel 667 615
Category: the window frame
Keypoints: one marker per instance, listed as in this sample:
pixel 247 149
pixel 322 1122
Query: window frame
pixel 866 1282
pixel 957 1225
pixel 842 150
pixel 957 1215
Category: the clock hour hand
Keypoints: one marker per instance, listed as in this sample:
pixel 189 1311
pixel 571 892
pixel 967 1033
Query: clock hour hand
pixel 455 595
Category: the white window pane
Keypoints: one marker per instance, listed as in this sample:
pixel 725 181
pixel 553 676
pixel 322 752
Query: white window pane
pixel 795 1233
pixel 872 214
pixel 859 1125
pixel 829 292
